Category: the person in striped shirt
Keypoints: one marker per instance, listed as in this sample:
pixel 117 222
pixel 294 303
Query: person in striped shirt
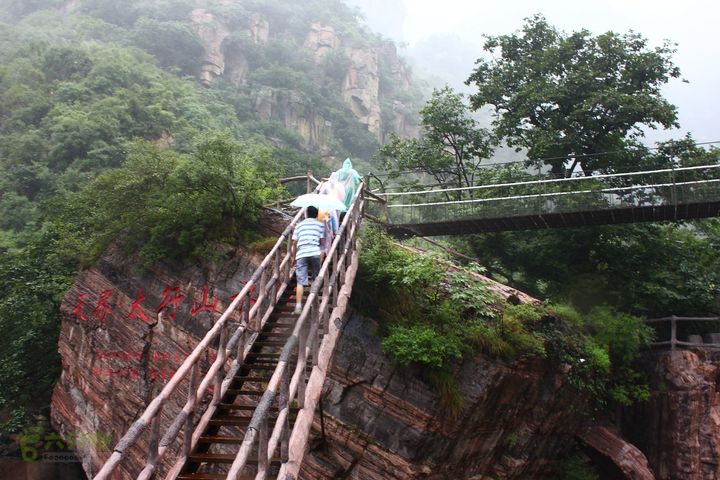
pixel 307 236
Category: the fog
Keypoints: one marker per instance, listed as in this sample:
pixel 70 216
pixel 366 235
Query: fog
pixel 444 39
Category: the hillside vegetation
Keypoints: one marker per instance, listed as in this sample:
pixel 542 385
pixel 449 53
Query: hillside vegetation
pixel 106 131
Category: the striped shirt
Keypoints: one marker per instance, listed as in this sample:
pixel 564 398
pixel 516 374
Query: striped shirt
pixel 308 234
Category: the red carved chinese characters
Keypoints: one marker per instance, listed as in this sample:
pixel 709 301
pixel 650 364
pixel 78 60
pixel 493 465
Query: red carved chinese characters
pixel 204 305
pixel 102 308
pixel 136 311
pixel 172 301
pixel 78 310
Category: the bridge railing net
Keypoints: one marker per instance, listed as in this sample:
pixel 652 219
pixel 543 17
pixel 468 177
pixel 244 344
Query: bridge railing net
pixel 668 186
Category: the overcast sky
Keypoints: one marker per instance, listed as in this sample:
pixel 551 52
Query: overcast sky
pixel 693 24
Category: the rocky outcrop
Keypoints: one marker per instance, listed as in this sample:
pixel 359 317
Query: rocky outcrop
pixel 385 422
pixel 290 109
pixel 626 457
pixel 321 40
pixel 212 33
pixel 361 87
pixel 678 428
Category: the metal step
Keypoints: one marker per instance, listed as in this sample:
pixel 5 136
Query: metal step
pixel 228 421
pixel 269 343
pixel 224 458
pixel 265 354
pixel 221 439
pixel 203 476
pixel 237 391
pixel 251 379
pixel 229 406
pixel 274 334
pixel 217 476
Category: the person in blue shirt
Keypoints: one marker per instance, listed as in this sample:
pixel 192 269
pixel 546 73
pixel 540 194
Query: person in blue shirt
pixel 307 237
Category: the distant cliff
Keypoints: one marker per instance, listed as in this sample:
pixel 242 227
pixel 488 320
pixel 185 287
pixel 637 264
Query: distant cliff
pixel 379 104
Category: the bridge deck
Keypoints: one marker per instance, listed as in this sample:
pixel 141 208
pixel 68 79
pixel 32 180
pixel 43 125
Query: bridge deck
pixel 636 214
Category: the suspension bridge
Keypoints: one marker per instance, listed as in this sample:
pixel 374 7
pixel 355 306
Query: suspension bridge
pixel 649 195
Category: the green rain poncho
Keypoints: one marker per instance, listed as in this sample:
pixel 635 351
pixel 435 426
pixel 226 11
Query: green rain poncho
pixel 349 178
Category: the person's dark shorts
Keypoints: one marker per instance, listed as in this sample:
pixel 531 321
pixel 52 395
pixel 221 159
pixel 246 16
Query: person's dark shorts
pixel 304 266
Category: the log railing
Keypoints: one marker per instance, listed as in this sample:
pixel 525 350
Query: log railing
pixel 233 340
pixel 673 342
pixel 286 386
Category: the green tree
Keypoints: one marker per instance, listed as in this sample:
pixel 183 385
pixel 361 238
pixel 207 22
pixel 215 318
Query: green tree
pixel 30 294
pixel 451 147
pixel 172 43
pixel 165 205
pixel 573 96
pixel 644 269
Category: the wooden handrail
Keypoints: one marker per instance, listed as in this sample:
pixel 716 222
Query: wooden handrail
pixel 239 344
pixel 270 279
pixel 306 339
pixel 674 342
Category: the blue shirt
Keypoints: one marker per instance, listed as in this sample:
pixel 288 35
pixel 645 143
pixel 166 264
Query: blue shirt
pixel 308 234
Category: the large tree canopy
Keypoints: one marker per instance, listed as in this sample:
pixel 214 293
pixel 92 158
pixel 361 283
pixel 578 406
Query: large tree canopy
pixel 574 96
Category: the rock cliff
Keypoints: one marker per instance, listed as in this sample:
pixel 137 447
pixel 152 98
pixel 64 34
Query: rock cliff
pixel 678 429
pixel 386 423
pixel 359 88
pixel 117 352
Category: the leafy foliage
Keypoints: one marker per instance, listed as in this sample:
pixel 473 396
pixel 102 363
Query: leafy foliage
pixel 451 147
pixel 172 43
pixel 169 205
pixel 644 269
pixel 30 294
pixel 567 95
pixel 432 315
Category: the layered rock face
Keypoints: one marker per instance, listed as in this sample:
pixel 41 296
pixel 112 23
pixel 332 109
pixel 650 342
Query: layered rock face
pixel 678 429
pixel 360 86
pixel 384 422
pixel 118 351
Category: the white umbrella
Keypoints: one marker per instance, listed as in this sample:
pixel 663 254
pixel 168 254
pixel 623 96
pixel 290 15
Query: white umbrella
pixel 319 201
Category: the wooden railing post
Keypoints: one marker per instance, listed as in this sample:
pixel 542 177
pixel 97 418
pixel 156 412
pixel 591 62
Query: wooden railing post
pixel 263 448
pixel 315 327
pixel 262 294
pixel 153 445
pixel 302 362
pixel 284 403
pixel 277 275
pixel 673 332
pixel 240 352
pixel 290 257
pixel 217 381
pixel 246 312
pixel 192 387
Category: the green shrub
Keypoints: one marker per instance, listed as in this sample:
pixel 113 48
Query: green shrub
pixel 431 314
pixel 421 344
pixel 576 467
pixel 165 205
